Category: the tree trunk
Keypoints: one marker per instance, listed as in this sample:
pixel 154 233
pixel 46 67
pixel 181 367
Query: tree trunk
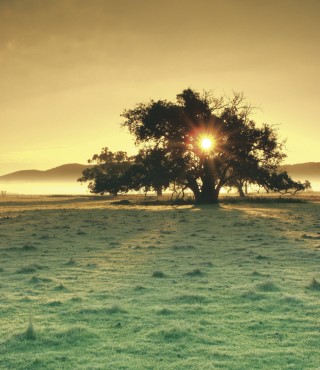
pixel 209 193
pixel 207 196
pixel 193 186
pixel 159 192
pixel 239 187
pixel 241 192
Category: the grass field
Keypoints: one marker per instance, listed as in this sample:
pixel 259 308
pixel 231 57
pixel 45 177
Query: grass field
pixel 86 284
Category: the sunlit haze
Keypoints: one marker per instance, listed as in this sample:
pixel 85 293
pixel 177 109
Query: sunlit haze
pixel 69 68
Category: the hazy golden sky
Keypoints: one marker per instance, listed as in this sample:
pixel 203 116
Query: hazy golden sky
pixel 68 69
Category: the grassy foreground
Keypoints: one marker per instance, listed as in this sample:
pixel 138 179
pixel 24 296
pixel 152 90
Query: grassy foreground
pixel 90 285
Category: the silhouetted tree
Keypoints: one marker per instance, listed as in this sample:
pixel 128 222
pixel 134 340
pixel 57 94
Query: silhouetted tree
pixel 242 151
pixel 281 183
pixel 108 172
pixel 150 171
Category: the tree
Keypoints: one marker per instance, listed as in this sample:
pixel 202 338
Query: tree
pixel 282 183
pixel 209 143
pixel 150 170
pixel 108 172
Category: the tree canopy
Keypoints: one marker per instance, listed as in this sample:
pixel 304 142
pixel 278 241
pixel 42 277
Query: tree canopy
pixel 196 142
pixel 236 149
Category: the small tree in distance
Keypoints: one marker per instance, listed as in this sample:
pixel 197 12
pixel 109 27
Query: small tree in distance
pixel 108 172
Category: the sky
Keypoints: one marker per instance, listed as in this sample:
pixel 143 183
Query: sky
pixel 69 68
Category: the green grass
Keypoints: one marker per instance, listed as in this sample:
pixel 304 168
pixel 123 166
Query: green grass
pixel 159 287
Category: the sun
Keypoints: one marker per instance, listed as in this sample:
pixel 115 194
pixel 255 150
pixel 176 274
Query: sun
pixel 206 143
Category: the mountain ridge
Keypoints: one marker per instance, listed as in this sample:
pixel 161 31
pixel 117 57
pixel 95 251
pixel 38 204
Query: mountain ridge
pixel 65 172
pixel 72 171
pixel 311 169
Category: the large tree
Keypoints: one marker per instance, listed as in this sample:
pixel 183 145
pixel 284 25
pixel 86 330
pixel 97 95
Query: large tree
pixel 207 143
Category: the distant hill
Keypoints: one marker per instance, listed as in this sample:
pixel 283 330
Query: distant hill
pixel 71 172
pixel 303 171
pixel 66 172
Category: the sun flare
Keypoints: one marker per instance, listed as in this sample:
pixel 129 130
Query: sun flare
pixel 206 143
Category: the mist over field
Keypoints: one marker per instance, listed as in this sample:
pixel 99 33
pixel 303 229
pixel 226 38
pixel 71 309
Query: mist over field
pixel 62 188
pixel 67 187
pixel 43 188
pixel 63 179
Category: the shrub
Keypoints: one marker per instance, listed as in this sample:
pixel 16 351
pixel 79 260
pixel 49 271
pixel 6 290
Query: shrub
pixel 195 272
pixel 158 274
